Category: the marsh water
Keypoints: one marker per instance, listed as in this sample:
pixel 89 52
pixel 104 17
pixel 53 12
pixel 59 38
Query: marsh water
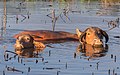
pixel 60 58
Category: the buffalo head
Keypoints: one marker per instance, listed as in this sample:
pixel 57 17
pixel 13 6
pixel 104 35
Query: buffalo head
pixel 24 41
pixel 93 36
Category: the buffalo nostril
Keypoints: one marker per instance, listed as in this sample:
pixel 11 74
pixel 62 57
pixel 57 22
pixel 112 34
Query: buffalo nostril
pixel 100 40
pixel 97 41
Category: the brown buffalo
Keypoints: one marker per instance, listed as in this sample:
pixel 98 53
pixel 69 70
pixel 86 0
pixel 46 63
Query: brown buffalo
pixel 93 36
pixel 35 39
pixel 47 35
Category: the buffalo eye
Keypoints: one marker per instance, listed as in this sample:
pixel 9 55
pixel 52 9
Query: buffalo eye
pixel 88 33
pixel 28 38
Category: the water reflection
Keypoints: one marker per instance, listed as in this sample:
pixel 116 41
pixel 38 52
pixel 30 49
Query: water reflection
pixel 92 52
pixel 29 53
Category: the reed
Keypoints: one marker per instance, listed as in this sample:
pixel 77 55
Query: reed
pixel 4 17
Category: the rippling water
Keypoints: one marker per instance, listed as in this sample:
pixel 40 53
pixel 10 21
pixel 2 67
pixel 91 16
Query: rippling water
pixel 59 58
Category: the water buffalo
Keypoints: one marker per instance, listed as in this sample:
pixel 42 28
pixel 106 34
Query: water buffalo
pixel 47 35
pixel 93 36
pixel 36 38
pixel 33 38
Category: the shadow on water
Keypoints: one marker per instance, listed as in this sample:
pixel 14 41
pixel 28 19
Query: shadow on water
pixel 92 52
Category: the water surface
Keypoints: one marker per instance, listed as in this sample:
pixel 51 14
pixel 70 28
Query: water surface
pixel 59 58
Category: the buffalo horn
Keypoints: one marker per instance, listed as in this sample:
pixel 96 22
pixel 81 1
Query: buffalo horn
pixel 105 35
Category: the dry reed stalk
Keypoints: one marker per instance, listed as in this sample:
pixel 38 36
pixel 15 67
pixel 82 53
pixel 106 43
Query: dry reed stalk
pixel 4 17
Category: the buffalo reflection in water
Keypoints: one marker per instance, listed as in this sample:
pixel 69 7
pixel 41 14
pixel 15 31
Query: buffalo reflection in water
pixel 92 52
pixel 29 53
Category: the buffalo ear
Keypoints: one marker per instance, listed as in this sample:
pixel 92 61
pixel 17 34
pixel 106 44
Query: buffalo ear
pixel 82 37
pixel 31 37
pixel 17 37
pixel 105 35
pixel 78 32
